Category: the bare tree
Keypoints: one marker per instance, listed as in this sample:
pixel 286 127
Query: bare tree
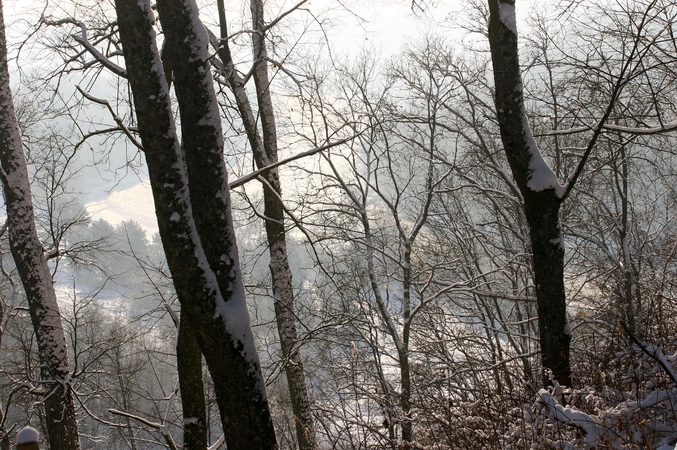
pixel 31 262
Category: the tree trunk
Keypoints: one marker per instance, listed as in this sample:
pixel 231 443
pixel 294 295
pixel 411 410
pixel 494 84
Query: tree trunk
pixel 539 186
pixel 405 369
pixel 283 292
pixel 548 256
pixel 205 271
pixel 31 263
pixel 629 306
pixel 189 365
pixel 265 152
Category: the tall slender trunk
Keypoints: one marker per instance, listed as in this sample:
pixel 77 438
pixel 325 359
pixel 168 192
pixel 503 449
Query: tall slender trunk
pixel 401 342
pixel 123 385
pixel 265 152
pixel 196 227
pixel 630 305
pixel 5 443
pixel 283 292
pixel 405 369
pixel 31 263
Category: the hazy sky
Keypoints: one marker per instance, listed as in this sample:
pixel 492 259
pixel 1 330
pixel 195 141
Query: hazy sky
pixel 350 25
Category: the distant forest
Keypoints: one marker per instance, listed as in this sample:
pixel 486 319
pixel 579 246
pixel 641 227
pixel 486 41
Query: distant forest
pixel 467 243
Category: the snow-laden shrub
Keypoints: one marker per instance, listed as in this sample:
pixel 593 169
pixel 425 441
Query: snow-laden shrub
pixel 640 416
pixel 636 409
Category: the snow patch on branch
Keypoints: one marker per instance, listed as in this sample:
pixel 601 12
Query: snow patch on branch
pixel 571 416
pixel 660 356
pixel 84 41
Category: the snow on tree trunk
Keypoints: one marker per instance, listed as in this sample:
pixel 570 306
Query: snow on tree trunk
pixel 207 277
pixel 539 186
pixel 31 263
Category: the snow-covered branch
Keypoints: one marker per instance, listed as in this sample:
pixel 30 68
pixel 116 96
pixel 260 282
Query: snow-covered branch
pixel 158 426
pixel 570 416
pixel 640 131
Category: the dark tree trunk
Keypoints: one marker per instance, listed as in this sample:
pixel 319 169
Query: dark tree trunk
pixel 202 140
pixel 405 368
pixel 548 256
pixel 540 189
pixel 207 277
pixel 189 365
pixel 283 292
pixel 31 263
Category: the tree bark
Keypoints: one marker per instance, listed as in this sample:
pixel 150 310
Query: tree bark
pixel 265 152
pixel 205 271
pixel 283 292
pixel 405 368
pixel 31 263
pixel 189 365
pixel 540 189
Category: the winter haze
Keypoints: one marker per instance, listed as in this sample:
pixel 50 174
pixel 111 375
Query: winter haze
pixel 325 224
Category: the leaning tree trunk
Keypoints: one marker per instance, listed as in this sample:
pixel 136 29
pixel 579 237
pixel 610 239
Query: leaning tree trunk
pixel 31 263
pixel 188 354
pixel 264 149
pixel 196 227
pixel 283 292
pixel 539 186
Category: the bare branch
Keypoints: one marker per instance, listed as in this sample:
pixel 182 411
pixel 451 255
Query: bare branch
pixel 253 175
pixel 82 40
pixel 116 118
pixel 283 15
